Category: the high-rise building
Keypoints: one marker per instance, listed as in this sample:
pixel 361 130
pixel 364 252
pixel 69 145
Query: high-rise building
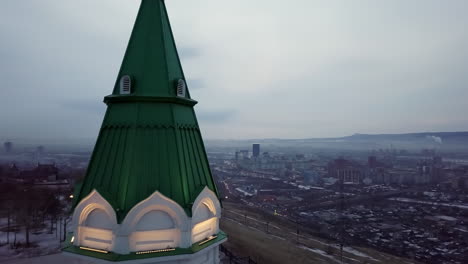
pixel 345 171
pixel 8 146
pixel 244 154
pixel 372 162
pixel 148 195
pixel 256 150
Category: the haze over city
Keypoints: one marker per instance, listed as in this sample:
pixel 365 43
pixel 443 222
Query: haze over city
pixel 263 69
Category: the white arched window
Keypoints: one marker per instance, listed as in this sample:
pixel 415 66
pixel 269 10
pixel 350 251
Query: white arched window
pixel 154 230
pixel 205 222
pixel 96 230
pixel 155 220
pixel 206 211
pixel 155 223
pixel 98 218
pixel 203 213
pixel 94 223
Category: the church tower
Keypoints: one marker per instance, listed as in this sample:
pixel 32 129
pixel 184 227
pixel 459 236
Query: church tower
pixel 148 195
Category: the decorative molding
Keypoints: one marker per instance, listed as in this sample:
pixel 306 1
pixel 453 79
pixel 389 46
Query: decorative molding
pixel 152 125
pixel 205 225
pixel 156 202
pixel 180 259
pixel 209 198
pixel 148 99
pixel 91 202
pixel 125 237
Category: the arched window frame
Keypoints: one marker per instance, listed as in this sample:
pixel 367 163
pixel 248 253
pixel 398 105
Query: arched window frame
pixel 94 201
pixel 209 199
pixel 156 202
pixel 91 202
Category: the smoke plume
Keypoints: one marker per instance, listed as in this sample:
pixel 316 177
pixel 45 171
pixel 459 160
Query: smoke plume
pixel 435 139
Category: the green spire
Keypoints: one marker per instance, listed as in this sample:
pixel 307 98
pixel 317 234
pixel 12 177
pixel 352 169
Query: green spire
pixel 151 57
pixel 150 139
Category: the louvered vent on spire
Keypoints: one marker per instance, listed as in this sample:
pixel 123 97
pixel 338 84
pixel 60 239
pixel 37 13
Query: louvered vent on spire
pixel 181 88
pixel 126 85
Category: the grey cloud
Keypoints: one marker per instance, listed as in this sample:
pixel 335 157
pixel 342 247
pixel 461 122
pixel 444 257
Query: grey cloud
pixel 302 69
pixel 216 116
pixel 85 106
pixel 195 84
pixel 188 52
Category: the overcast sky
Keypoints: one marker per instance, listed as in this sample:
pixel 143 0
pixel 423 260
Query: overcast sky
pixel 259 68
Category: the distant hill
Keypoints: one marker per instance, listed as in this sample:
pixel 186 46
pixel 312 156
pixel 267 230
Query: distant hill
pixel 444 141
pixel 441 141
pixel 443 136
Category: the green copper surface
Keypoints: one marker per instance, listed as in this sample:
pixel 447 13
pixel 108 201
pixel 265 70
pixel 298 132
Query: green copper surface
pixel 151 58
pixel 150 139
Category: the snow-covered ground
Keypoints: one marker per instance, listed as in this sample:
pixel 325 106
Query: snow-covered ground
pixel 349 250
pixel 43 244
pixel 321 253
pixel 409 200
pixel 50 259
pixel 357 253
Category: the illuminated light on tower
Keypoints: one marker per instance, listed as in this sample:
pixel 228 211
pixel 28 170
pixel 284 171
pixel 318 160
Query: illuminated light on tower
pixel 148 195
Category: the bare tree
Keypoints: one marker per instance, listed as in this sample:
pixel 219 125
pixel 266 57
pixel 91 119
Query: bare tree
pixel 7 198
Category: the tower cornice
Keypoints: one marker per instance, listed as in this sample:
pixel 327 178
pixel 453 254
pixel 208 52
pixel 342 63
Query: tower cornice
pixel 148 99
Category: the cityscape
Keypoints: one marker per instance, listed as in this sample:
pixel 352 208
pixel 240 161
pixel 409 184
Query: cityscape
pixel 411 203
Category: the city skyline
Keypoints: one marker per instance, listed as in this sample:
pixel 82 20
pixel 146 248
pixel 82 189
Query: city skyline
pixel 318 68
